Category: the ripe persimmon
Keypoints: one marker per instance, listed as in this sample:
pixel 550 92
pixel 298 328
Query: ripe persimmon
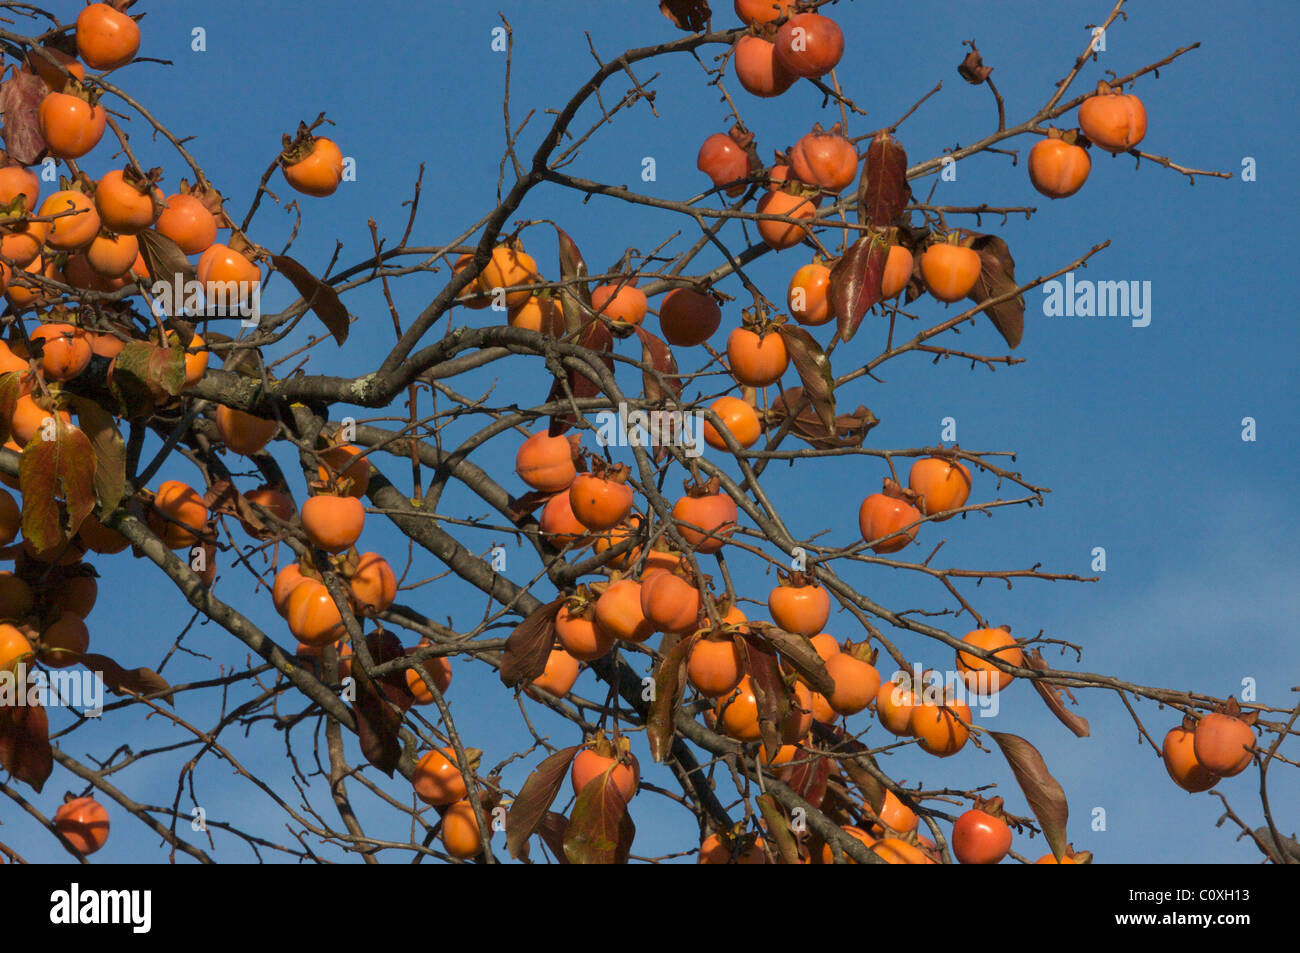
pixel 895 850
pixel 437 778
pixel 15 649
pixel 809 44
pixel 714 667
pixel 507 268
pixel 21 242
pixel 278 503
pixel 187 222
pixel 950 271
pixel 437 669
pixel 98 538
pixel 624 773
pixel 757 359
pixel 313 616
pixel 723 160
pixel 38 60
pixel 738 417
pixel 1113 119
pixel 286 581
pixel 546 463
pixel 229 279
pixel 828 855
pixel 619 614
pixel 758 69
pixel 347 467
pixel 543 314
pixel 16 180
pixel 825 159
pixel 1058 168
pixel 333 523
pixel 885 516
pixel 113 255
pixel 897 273
pixel 71 231
pixel 941 730
pixel 469 295
pixel 460 831
pixel 670 602
pixel 856 683
pixel 629 528
pixel 1179 754
pixel 941 485
pixel 558 524
pixel 106 37
pixel 625 304
pixel 314 166
pixel 76 594
pixel 242 432
pixel 64 350
pixel 22 297
pixel 580 636
pixel 980 838
pixel 64 640
pixel 688 317
pixel 178 514
pixel 1000 643
pixel 600 502
pixel 123 207
pixel 758 12
pixel 800 606
pixel 780 235
pixel 71 125
pixel 894 705
pixel 894 815
pixel 1223 744
pixel 706 521
pixel 807 295
pixel 83 822
pixel 374 584
pixel 16 596
pixel 714 850
pixel 560 673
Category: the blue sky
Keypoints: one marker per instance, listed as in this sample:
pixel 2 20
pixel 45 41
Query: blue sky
pixel 1137 431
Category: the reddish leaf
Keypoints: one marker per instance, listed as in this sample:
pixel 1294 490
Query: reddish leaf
pixel 321 297
pixel 600 830
pixel 521 507
pixel 145 375
pixel 574 292
pixel 998 277
pixel 1043 792
pixel 529 645
pixel 658 355
pixel 809 779
pixel 25 744
pixel 855 283
pixel 669 680
pixel 689 15
pixel 121 681
pixel 770 695
pixel 883 191
pixel 378 722
pixel 596 337
pixel 551 831
pixel 814 369
pixel 534 801
pixel 1051 695
pixel 849 431
pixel 61 469
pixel 110 451
pixel 20 100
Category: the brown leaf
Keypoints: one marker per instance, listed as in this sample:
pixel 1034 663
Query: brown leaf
pixel 808 780
pixel 656 353
pixel 52 471
pixel 814 369
pixel 873 792
pixel 521 507
pixel 595 337
pixel 144 376
pixel 998 277
pixel 551 831
pixel 600 830
pixel 668 693
pixel 855 283
pixel 689 15
pixel 110 451
pixel 1051 695
pixel 319 296
pixel 972 68
pixel 25 744
pixel 778 829
pixel 165 262
pixel 770 693
pixel 120 681
pixel 800 653
pixel 883 190
pixel 20 101
pixel 1043 792
pixel 534 801
pixel 850 429
pixel 529 645
pixel 10 387
pixel 378 723
pixel 574 293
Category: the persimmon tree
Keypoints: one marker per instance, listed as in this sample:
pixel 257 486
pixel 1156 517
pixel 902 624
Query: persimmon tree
pixel 640 623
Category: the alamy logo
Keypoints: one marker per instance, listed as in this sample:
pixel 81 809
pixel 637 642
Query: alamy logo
pixel 651 428
pixel 1101 299
pixel 99 907
pixel 72 688
pixel 216 299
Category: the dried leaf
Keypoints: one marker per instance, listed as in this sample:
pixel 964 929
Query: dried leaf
pixel 808 780
pixel 10 388
pixel 378 722
pixel 850 430
pixel 20 101
pixel 574 292
pixel 535 797
pixel 1043 792
pixel 855 283
pixel 883 190
pixel 778 829
pixel 1051 695
pixel 657 354
pixel 689 15
pixel 600 830
pixel 998 277
pixel 596 337
pixel 52 471
pixel 814 369
pixel 669 680
pixel 165 262
pixel 120 681
pixel 551 831
pixel 319 296
pixel 529 645
pixel 972 68
pixel 25 744
pixel 110 451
